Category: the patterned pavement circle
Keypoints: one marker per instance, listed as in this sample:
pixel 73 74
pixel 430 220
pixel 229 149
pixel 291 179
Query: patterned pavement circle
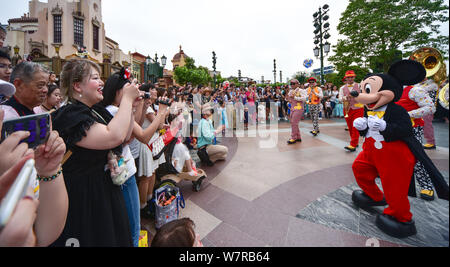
pixel 270 194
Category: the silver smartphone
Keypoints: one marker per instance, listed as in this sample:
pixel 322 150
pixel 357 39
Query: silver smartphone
pixel 16 192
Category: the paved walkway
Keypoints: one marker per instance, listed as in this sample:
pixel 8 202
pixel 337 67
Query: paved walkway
pixel 270 194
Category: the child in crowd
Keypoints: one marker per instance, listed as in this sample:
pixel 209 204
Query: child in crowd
pixel 177 233
pixel 328 109
pixel 223 115
pixel 261 112
pixel 339 108
pixel 181 158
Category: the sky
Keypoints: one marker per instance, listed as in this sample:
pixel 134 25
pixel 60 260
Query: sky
pixel 246 35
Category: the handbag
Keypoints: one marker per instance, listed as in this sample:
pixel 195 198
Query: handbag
pixel 168 202
pixel 118 168
pixel 116 164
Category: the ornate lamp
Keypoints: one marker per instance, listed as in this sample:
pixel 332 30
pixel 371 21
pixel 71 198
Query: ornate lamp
pixel 163 61
pixel 316 52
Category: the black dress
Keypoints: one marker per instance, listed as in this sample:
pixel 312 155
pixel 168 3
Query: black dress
pixel 97 215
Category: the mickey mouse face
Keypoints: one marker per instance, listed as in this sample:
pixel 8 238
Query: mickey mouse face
pixel 372 96
pixel 381 89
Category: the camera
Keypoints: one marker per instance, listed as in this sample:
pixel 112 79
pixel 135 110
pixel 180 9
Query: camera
pixel 163 102
pixel 146 95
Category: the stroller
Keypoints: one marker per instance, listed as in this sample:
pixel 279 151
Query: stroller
pixel 168 174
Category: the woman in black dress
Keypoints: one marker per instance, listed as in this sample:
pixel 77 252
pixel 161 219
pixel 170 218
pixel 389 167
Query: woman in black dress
pixel 97 215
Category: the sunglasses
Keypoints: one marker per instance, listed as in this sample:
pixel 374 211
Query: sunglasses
pixel 294 83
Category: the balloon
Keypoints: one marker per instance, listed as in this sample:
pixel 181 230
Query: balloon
pixel 226 84
pixel 308 63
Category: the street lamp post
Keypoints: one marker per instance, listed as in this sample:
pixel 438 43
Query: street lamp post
pixel 274 71
pixel 153 69
pixel 321 31
pixel 147 68
pixel 214 58
pixel 163 63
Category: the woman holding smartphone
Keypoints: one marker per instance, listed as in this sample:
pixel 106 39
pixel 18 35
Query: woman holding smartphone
pixel 113 94
pixel 97 213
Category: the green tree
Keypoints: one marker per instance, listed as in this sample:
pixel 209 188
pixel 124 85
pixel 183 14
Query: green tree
pixel 190 73
pixel 376 31
pixel 359 71
pixel 301 76
pixel 182 75
pixel 332 78
pixel 189 63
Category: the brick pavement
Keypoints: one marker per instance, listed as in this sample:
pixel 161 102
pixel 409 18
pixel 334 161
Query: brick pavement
pixel 270 194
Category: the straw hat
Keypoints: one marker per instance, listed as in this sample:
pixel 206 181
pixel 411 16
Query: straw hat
pixel 206 107
pixel 348 74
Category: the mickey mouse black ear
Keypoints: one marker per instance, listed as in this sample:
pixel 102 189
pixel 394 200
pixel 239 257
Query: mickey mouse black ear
pixel 408 72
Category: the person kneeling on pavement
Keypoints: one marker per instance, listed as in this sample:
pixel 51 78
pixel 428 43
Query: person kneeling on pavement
pixel 179 164
pixel 206 134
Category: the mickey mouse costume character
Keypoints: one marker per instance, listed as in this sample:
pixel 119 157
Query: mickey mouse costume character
pixel 390 150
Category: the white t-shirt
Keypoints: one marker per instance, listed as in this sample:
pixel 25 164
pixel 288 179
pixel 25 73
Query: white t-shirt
pixel 135 147
pixel 147 123
pixel 126 152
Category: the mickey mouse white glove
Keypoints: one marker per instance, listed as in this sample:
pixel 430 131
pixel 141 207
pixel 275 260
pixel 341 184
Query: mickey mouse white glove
pixel 360 124
pixel 376 123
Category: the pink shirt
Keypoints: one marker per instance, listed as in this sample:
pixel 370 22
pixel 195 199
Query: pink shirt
pixel 250 97
pixel 39 110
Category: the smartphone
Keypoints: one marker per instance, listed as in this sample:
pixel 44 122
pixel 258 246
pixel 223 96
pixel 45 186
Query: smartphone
pixel 38 125
pixel 16 192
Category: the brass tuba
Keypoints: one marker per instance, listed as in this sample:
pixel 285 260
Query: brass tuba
pixel 443 97
pixel 433 62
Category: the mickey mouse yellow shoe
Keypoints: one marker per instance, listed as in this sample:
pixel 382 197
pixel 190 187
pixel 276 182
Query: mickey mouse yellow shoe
pixel 429 146
pixel 427 194
pixel 292 141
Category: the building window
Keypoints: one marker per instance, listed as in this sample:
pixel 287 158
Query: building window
pixel 78 31
pixel 96 37
pixel 57 29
